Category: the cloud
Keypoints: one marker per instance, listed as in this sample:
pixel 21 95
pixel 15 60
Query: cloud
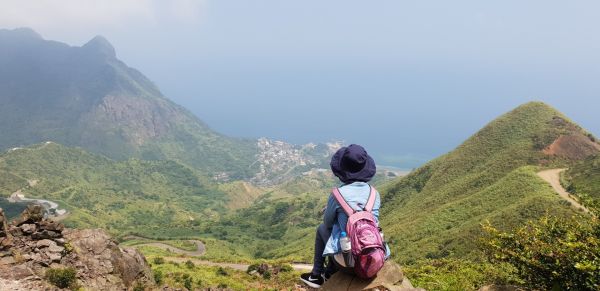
pixel 73 18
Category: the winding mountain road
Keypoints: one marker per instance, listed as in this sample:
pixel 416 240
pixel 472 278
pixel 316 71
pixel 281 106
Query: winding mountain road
pixel 552 176
pixel 235 266
pixel 201 250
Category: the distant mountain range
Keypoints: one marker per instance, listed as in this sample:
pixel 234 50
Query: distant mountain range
pixel 86 97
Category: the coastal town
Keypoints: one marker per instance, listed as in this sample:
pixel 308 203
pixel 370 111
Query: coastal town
pixel 278 160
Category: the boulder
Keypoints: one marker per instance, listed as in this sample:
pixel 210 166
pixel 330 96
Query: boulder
pixel 51 226
pixel 390 277
pixel 5 236
pixel 44 234
pixel 28 228
pixel 44 243
pixel 32 244
pixel 32 214
pixel 3 224
pixel 102 264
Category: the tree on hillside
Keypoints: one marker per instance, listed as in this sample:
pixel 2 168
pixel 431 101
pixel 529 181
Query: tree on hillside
pixel 552 253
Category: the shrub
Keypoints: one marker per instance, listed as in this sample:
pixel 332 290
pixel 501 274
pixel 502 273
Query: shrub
pixel 158 260
pixel 550 253
pixel 189 264
pixel 286 268
pixel 459 274
pixel 158 277
pixel 222 272
pixel 139 287
pixel 267 275
pixel 187 283
pixel 62 277
pixel 253 267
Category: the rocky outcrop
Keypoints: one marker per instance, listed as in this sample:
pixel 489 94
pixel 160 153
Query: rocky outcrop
pixel 31 245
pixel 389 278
pixel 103 262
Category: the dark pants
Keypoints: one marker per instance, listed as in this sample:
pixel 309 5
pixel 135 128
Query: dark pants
pixel 321 239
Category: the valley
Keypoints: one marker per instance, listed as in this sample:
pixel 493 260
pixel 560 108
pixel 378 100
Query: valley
pixel 97 143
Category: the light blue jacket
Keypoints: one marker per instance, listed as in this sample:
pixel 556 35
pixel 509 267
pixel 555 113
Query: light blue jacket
pixel 356 194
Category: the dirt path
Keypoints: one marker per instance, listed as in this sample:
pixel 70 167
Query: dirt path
pixel 553 178
pixel 200 250
pixel 239 267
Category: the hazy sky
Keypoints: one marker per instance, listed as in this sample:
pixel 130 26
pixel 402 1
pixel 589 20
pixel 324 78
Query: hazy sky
pixel 404 78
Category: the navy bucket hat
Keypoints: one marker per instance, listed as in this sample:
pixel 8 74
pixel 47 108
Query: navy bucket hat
pixel 352 164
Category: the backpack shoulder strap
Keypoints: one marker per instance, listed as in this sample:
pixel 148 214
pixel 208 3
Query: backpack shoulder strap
pixel 371 201
pixel 340 199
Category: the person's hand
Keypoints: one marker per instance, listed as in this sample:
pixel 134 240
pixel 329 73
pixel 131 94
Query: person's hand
pixel 323 210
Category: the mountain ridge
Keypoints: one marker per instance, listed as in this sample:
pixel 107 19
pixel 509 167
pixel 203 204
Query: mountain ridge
pixel 436 210
pixel 84 96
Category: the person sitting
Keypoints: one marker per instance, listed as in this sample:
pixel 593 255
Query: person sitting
pixel 354 168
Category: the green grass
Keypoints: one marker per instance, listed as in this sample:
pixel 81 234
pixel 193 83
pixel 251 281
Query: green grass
pixel 459 274
pixel 583 180
pixel 436 211
pixel 200 276
pixel 185 245
pixel 152 198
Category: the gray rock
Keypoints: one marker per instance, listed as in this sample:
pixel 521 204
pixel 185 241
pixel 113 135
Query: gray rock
pixel 51 225
pixel 32 214
pixel 103 264
pixel 45 243
pixel 28 228
pixel 39 244
pixel 44 234
pixel 54 257
pixel 7 261
pixel 390 277
pixel 55 249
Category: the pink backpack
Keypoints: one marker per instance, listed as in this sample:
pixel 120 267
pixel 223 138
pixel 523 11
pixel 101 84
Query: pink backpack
pixel 368 250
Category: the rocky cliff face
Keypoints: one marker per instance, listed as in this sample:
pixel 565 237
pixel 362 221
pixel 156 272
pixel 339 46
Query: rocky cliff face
pixel 31 245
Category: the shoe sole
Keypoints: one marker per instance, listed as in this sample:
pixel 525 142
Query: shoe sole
pixel 311 284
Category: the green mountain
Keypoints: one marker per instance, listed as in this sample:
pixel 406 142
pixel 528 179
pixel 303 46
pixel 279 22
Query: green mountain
pixel 436 211
pixel 86 97
pixel 152 198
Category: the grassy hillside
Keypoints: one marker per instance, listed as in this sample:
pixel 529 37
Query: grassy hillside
pixel 279 223
pixel 153 198
pixel 436 211
pixel 583 180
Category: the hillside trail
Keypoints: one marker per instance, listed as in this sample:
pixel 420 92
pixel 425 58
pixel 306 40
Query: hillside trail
pixel 552 176
pixel 235 266
pixel 199 252
pixel 200 248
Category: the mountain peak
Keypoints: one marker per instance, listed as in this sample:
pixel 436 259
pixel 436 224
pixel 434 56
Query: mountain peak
pixel 101 45
pixel 21 33
pixel 537 105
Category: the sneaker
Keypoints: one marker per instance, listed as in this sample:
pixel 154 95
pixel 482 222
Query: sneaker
pixel 311 280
